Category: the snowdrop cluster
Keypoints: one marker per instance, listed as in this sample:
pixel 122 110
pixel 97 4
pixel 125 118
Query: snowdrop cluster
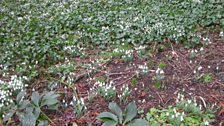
pixel 140 50
pixel 126 55
pixel 177 116
pixel 8 88
pixel 188 105
pixel 183 109
pixel 125 93
pixel 107 91
pixel 143 68
pixel 75 50
pixel 92 93
pixel 79 105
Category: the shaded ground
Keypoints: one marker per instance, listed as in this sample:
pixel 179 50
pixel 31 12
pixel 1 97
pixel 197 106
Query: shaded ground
pixel 179 77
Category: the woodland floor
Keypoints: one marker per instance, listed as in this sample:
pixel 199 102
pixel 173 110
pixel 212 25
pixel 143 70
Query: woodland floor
pixel 179 77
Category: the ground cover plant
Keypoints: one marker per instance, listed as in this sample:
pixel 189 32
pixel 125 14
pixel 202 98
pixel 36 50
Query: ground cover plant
pixel 75 58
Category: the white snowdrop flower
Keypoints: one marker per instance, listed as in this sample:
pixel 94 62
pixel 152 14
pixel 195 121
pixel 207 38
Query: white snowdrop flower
pixel 157 71
pixel 217 68
pixel 63 101
pixel 199 68
pixel 190 61
pixel 82 100
pixel 200 106
pixel 172 116
pixel 201 49
pixel 206 123
pixel 209 67
pixel 194 71
pixel 221 34
pixel 167 114
pixel 20 18
pixel 189 101
pixel 195 50
pixel 143 101
pixel 135 89
pixel 174 110
pixel 182 113
pixel 181 118
pixel 161 72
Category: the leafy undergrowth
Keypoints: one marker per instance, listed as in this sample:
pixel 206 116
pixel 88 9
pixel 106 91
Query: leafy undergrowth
pixel 63 63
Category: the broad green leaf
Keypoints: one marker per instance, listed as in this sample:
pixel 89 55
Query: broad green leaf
pixel 43 123
pixel 107 115
pixel 138 122
pixel 117 110
pixel 24 104
pixel 130 112
pixel 29 120
pixel 36 112
pixel 49 102
pixel 8 116
pixel 35 98
pixel 110 123
pixel 49 95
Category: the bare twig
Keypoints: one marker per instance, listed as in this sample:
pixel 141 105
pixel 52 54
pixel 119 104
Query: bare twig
pixel 126 80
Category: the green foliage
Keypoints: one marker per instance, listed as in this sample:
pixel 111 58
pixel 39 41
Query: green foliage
pixel 185 113
pixel 207 78
pixel 134 82
pixel 36 34
pixel 120 118
pixel 107 91
pixel 29 111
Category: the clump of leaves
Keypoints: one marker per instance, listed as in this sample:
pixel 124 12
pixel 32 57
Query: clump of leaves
pixel 207 78
pixel 30 111
pixel 119 118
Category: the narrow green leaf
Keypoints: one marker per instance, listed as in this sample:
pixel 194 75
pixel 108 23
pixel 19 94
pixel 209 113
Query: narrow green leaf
pixel 117 110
